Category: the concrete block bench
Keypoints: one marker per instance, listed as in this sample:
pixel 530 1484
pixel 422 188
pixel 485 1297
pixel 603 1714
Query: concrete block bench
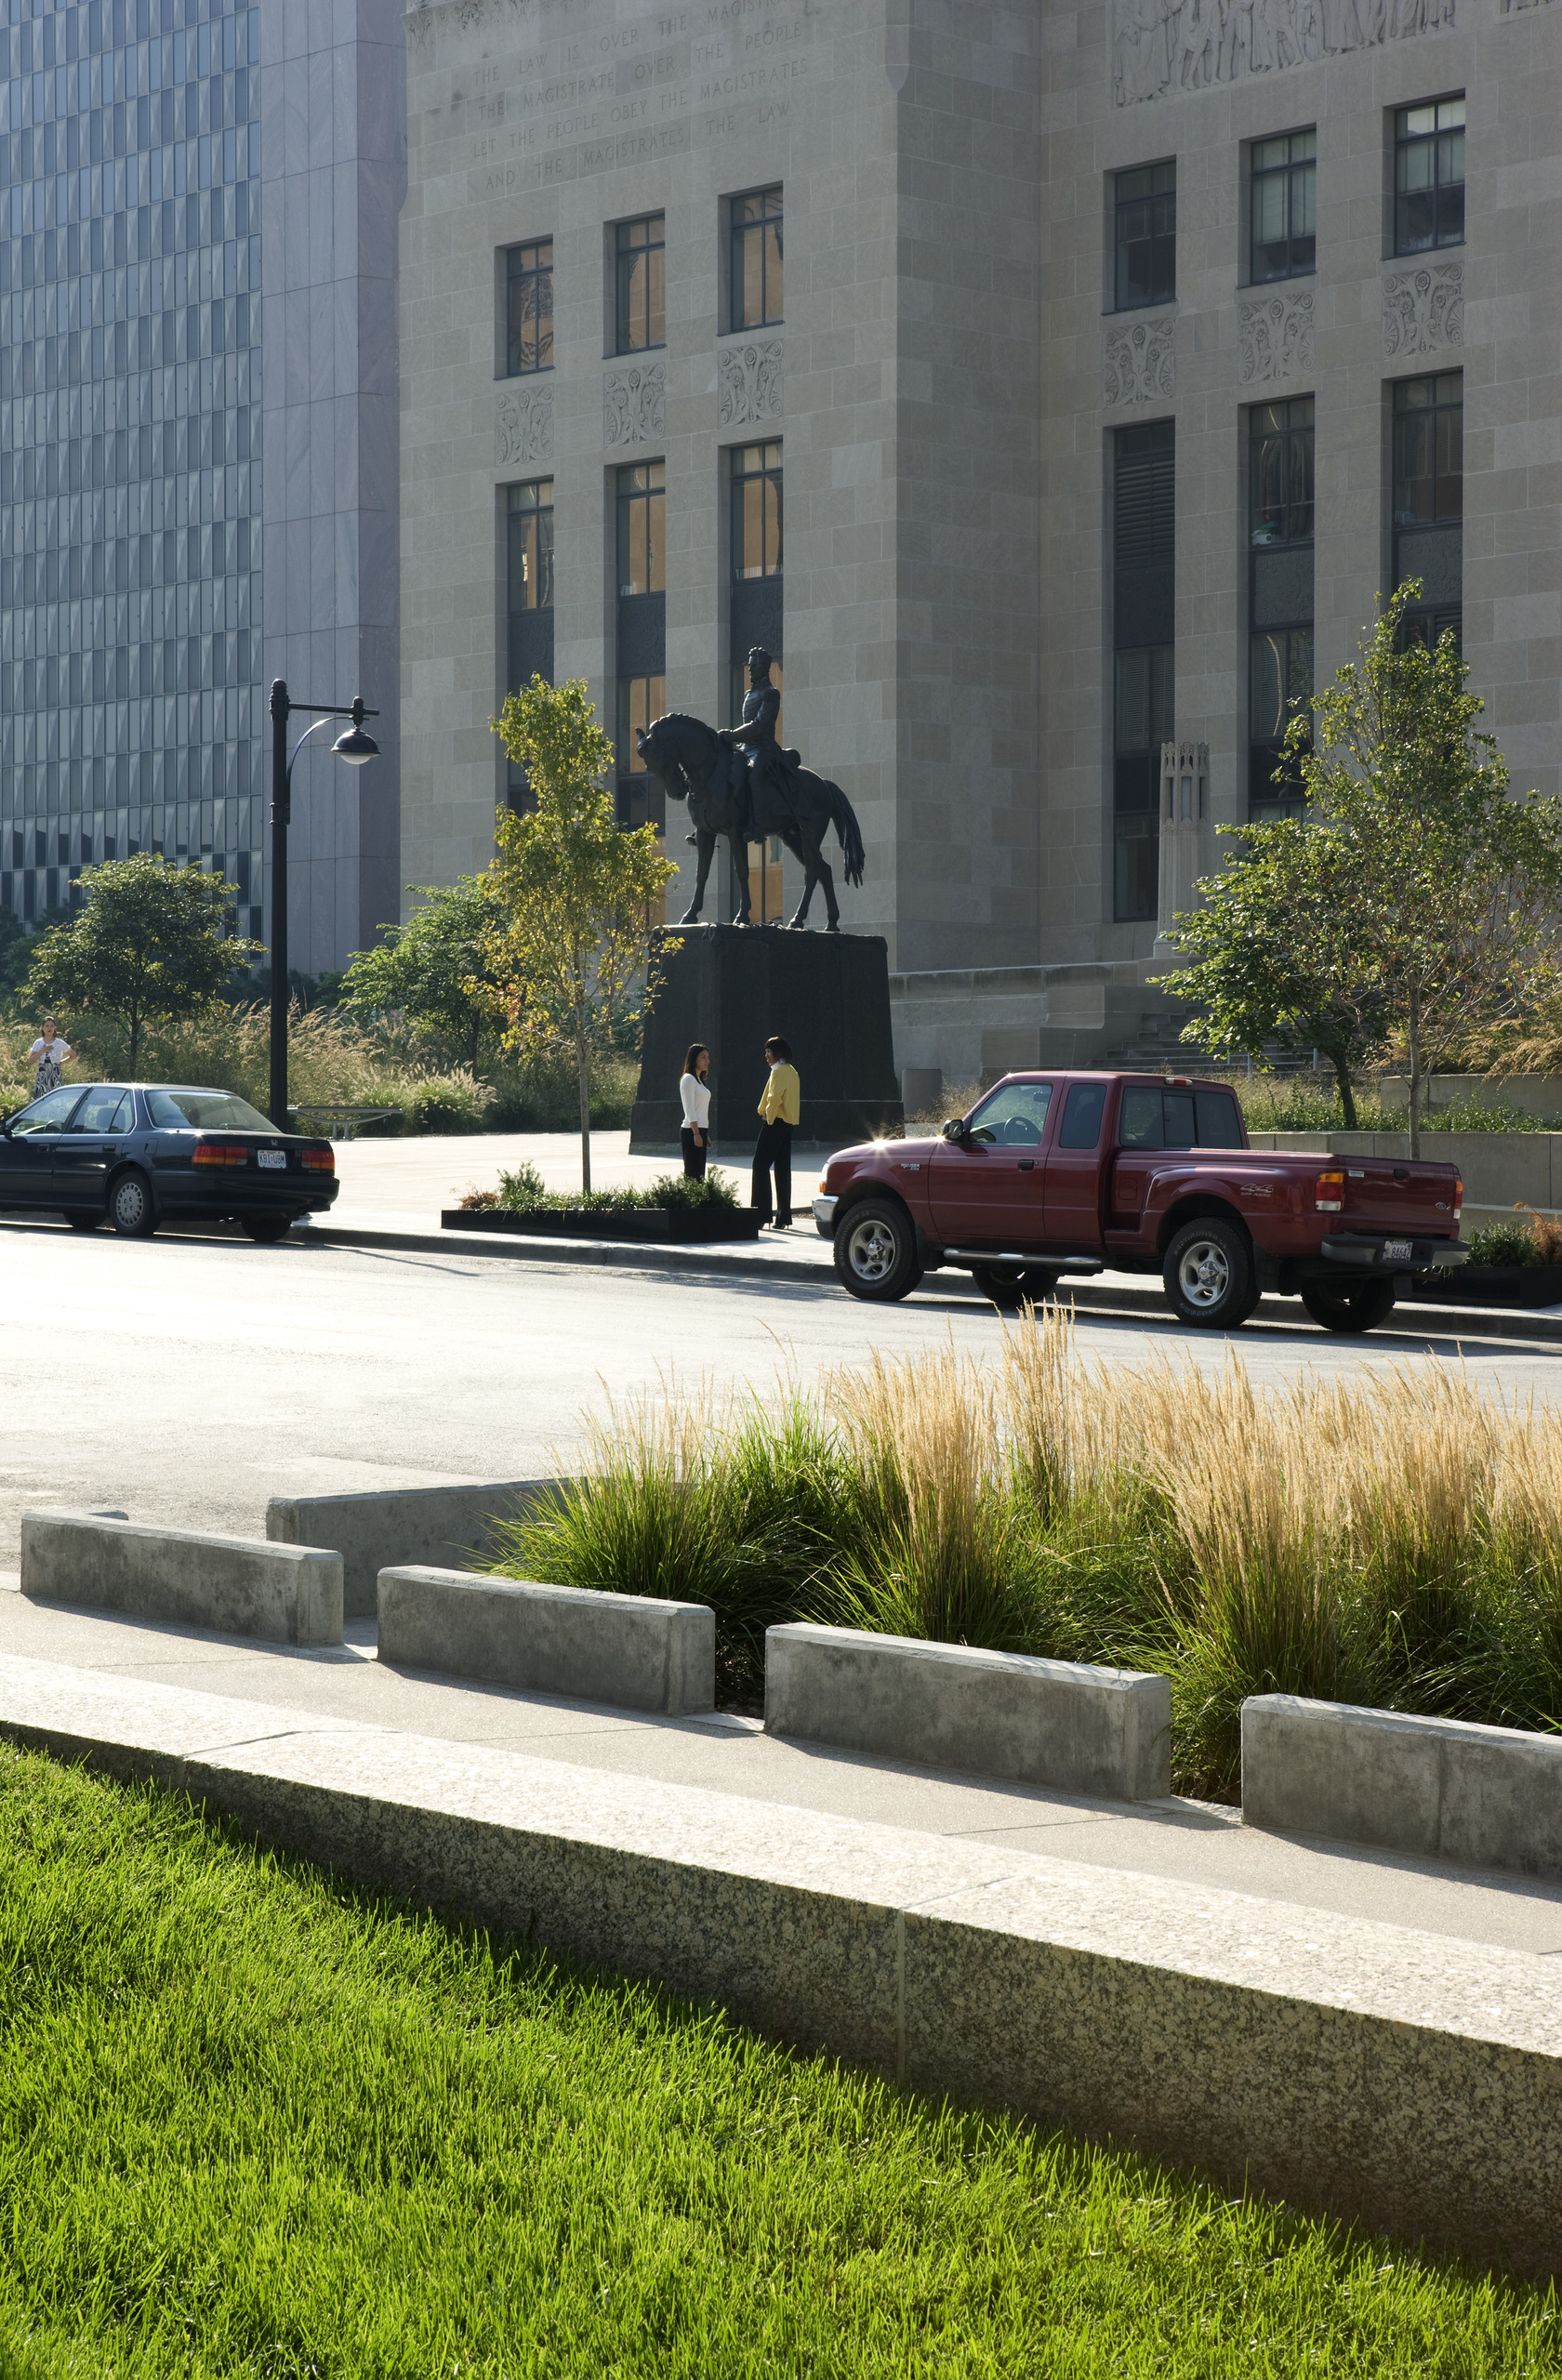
pixel 1443 1789
pixel 288 1595
pixel 1099 1731
pixel 627 1650
pixel 395 1526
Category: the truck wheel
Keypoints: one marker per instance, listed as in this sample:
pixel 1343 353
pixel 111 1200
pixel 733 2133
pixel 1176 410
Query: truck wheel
pixel 876 1251
pixel 1008 1286
pixel 1209 1275
pixel 1360 1309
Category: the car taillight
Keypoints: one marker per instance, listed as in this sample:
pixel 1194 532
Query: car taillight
pixel 320 1160
pixel 1330 1192
pixel 222 1153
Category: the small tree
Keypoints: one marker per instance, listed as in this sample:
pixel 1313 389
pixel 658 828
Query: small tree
pixel 574 890
pixel 1272 957
pixel 148 944
pixel 428 967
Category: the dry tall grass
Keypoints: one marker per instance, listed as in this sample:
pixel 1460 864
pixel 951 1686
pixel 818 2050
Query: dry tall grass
pixel 1395 1538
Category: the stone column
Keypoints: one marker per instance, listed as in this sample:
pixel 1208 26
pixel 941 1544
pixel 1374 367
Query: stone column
pixel 1185 831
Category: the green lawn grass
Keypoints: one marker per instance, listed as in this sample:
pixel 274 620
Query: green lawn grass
pixel 252 2124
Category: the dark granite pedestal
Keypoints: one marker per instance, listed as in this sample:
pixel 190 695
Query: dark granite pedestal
pixel 732 987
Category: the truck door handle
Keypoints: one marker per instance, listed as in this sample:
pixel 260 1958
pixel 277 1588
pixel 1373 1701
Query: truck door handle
pixel 1027 1165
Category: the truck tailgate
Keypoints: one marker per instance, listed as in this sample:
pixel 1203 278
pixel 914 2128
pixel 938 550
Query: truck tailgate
pixel 1392 1193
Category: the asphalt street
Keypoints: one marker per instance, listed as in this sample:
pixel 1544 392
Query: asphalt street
pixel 187 1378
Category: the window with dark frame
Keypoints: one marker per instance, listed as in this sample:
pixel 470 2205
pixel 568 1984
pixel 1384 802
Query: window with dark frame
pixel 642 529
pixel 1145 209
pixel 1429 177
pixel 1283 175
pixel 529 308
pixel 641 689
pixel 1280 500
pixel 529 601
pixel 1428 500
pixel 1144 551
pixel 756 616
pixel 640 284
pixel 757 259
pixel 642 801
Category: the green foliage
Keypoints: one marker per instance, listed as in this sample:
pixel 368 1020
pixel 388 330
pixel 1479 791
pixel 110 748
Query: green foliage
pixel 148 945
pixel 16 953
pixel 1506 1243
pixel 257 2123
pixel 428 969
pixel 578 895
pixel 523 1192
pixel 1415 902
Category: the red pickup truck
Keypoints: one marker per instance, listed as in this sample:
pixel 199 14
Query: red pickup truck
pixel 1054 1173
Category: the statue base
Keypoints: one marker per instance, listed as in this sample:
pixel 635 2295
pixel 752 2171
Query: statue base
pixel 732 987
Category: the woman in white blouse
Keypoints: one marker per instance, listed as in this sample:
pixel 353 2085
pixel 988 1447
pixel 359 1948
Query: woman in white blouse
pixel 696 1090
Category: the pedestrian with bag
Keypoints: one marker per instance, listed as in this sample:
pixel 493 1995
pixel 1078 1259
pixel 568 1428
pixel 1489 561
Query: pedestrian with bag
pixel 780 1109
pixel 695 1092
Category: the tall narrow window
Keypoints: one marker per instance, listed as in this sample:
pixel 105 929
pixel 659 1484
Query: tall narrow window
pixel 1429 177
pixel 756 617
pixel 1429 500
pixel 757 251
pixel 529 596
pixel 1146 210
pixel 642 284
pixel 1279 594
pixel 641 634
pixel 1143 534
pixel 529 312
pixel 1284 180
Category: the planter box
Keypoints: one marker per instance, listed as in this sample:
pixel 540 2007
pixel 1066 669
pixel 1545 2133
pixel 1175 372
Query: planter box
pixel 650 1224
pixel 1490 1285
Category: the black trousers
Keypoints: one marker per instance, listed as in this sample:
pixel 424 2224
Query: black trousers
pixel 772 1150
pixel 694 1158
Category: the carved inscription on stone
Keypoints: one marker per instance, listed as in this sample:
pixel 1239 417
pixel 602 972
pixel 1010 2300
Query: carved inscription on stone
pixel 1275 337
pixel 634 404
pixel 1423 310
pixel 1183 45
pixel 750 382
pixel 1141 362
pixel 524 425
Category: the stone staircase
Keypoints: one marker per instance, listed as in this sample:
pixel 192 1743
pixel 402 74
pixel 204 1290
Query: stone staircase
pixel 1156 1049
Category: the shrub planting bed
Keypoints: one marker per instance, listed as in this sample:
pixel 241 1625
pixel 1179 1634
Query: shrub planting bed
pixel 1393 1540
pixel 672 1208
pixel 254 2123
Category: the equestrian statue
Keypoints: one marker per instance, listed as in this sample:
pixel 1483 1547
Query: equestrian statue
pixel 739 781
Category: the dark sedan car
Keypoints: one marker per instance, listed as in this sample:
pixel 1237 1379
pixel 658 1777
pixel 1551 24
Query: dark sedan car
pixel 136 1155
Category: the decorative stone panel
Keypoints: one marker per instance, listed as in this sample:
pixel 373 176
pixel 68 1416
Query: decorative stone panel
pixel 1158 46
pixel 750 382
pixel 634 404
pixel 1423 308
pixel 1141 362
pixel 1275 337
pixel 524 425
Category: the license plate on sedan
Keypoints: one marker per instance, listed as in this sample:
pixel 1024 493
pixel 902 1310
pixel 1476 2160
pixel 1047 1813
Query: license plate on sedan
pixel 278 1157
pixel 1396 1252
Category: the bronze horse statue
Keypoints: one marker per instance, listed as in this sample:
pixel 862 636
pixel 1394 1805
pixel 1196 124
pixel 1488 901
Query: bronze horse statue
pixel 695 764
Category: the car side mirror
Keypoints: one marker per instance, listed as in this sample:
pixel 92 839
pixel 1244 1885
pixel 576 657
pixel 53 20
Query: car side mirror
pixel 955 1130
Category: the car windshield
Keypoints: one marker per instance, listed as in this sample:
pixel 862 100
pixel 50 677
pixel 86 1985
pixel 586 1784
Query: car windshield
pixel 203 1111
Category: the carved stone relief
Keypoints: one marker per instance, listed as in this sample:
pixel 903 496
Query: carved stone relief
pixel 1141 362
pixel 1275 337
pixel 750 382
pixel 524 424
pixel 1184 44
pixel 1511 8
pixel 634 404
pixel 1423 308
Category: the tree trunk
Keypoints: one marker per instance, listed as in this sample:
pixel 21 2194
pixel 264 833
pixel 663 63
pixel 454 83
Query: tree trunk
pixel 583 1066
pixel 1347 1096
pixel 1415 1074
pixel 135 1042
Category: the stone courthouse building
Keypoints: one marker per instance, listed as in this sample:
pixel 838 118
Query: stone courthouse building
pixel 1050 386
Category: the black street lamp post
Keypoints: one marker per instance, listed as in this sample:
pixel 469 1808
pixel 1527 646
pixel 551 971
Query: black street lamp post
pixel 352 746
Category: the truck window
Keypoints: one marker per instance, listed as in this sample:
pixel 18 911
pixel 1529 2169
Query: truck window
pixel 1177 1119
pixel 1139 1127
pixel 1220 1121
pixel 1014 1115
pixel 1081 1116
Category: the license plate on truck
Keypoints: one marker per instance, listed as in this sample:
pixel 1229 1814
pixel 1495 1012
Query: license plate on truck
pixel 1396 1252
pixel 278 1157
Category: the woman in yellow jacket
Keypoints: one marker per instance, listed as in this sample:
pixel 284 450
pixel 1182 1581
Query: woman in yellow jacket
pixel 779 1109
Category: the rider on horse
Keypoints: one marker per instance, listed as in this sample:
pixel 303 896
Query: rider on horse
pixel 771 776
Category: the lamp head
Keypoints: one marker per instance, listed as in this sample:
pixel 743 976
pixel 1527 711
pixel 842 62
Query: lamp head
pixel 355 745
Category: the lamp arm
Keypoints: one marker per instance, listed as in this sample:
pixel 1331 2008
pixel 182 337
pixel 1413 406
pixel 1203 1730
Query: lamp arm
pixel 298 748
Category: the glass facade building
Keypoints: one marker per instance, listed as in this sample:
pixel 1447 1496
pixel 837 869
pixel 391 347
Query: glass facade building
pixel 131 714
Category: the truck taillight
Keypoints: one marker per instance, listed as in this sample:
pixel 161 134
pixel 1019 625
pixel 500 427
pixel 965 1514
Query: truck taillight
pixel 1330 1196
pixel 1458 1202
